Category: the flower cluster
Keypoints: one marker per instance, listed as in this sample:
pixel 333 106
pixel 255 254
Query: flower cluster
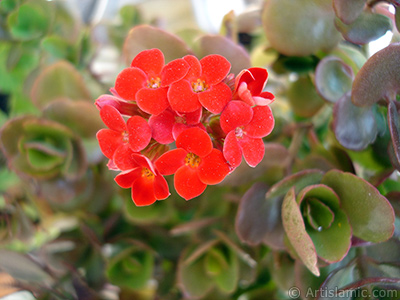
pixel 210 119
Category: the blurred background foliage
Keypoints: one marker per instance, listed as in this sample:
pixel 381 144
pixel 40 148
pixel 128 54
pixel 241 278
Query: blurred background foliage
pixel 320 212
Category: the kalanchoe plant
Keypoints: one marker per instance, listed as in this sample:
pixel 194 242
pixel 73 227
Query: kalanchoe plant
pixel 176 102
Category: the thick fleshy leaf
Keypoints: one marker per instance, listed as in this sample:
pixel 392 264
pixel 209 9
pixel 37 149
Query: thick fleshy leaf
pixel 195 140
pixel 378 78
pixel 213 168
pixel 152 101
pixel 332 237
pixel 214 68
pixel 127 178
pixel 161 126
pixel 333 78
pixel 171 161
pixel 113 119
pixel 228 277
pixel 232 150
pixel 143 191
pixel 139 133
pixel 394 128
pixel 144 37
pixel 174 71
pixel 262 122
pixel 192 278
pixel 253 150
pixel 182 98
pixel 129 81
pixel 348 11
pixel 216 97
pixel 370 214
pixel 355 127
pixel 235 114
pixel 157 213
pixel 397 18
pixel 296 232
pixel 366 28
pixel 216 44
pixel 187 183
pixel 80 116
pixel 149 61
pixel 60 80
pixel 290 26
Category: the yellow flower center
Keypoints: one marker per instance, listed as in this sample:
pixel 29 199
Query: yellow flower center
pixel 147 173
pixel 192 160
pixel 199 86
pixel 154 83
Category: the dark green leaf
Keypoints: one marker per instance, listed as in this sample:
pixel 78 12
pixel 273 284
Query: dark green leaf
pixel 397 18
pixel 394 128
pixel 144 37
pixel 378 78
pixel 296 232
pixel 333 78
pixel 366 28
pixel 355 127
pixel 370 214
pixel 348 11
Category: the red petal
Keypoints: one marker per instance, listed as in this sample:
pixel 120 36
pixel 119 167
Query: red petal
pixel 143 161
pixel 171 161
pixel 213 168
pixel 253 150
pixel 174 71
pixel 187 183
pixel 232 150
pixel 112 118
pixel 152 101
pixel 127 108
pixel 235 114
pixel 143 191
pixel 258 82
pixel 262 123
pixel 126 179
pixel 182 98
pixel 195 67
pixel 129 82
pixel 195 140
pixel 161 127
pixel 215 98
pixel 244 94
pixel 193 118
pixel 139 133
pixel 178 128
pixel 124 158
pixel 150 61
pixel 161 190
pixel 214 68
pixel 265 98
pixel 109 141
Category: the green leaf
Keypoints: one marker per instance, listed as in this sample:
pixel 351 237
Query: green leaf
pixel 378 78
pixel 296 232
pixel 394 128
pixel 216 44
pixel 355 127
pixel 159 212
pixel 290 26
pixel 41 160
pixel 28 21
pixel 227 279
pixel 59 81
pixel 144 37
pixel 333 78
pixel 370 214
pixel 131 268
pixel 397 18
pixel 57 46
pixel 303 97
pixel 348 11
pixel 366 28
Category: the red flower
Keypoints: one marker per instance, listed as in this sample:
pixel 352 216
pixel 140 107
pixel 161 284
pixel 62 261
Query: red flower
pixel 202 85
pixel 147 80
pixel 249 87
pixel 169 124
pixel 245 127
pixel 135 134
pixel 195 163
pixel 139 173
